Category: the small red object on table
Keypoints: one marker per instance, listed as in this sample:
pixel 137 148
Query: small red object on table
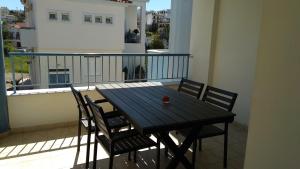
pixel 166 99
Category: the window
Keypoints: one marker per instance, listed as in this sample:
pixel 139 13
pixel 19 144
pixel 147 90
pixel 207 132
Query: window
pixel 65 17
pixel 88 18
pixel 98 19
pixel 52 16
pixel 109 20
pixel 58 80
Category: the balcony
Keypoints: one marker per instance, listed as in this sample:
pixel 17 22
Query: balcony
pixel 44 135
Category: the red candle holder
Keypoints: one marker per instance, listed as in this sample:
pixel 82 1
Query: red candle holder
pixel 166 99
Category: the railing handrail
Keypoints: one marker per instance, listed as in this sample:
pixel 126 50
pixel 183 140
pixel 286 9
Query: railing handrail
pixel 102 67
pixel 94 54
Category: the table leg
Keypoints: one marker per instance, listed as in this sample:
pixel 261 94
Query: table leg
pixel 179 152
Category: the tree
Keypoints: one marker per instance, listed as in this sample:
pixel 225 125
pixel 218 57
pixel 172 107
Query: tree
pixel 156 42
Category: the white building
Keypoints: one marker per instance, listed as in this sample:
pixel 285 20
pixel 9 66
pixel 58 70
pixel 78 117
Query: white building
pixel 96 26
pixel 4 11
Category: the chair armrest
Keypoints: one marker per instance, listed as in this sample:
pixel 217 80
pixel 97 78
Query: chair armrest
pixel 112 114
pixel 124 134
pixel 100 101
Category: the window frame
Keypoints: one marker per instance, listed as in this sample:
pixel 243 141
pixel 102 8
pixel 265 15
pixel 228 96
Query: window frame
pixel 101 19
pixel 84 17
pixel 53 12
pixel 67 14
pixel 111 22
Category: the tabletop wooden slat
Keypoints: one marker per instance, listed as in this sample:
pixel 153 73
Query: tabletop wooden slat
pixel 142 104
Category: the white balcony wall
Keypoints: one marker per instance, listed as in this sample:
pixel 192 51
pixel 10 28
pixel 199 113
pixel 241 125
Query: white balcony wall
pixel 224 43
pixel 273 138
pixel 44 108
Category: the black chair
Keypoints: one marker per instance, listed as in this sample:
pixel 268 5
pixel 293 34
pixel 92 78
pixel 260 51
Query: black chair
pixel 117 142
pixel 224 100
pixel 191 88
pixel 115 120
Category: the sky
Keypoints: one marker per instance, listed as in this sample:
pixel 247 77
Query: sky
pixel 151 5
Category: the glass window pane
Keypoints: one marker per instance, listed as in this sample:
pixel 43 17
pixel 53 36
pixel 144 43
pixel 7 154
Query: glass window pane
pixel 52 16
pixel 98 19
pixel 109 20
pixel 65 17
pixel 88 18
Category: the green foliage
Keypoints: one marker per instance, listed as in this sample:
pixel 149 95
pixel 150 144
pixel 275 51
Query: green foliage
pixel 148 34
pixel 20 62
pixel 156 42
pixel 8 47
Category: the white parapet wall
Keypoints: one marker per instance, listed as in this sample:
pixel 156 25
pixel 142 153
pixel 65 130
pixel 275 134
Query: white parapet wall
pixel 47 107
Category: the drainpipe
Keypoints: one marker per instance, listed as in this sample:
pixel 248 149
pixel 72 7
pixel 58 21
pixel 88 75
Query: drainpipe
pixel 4 123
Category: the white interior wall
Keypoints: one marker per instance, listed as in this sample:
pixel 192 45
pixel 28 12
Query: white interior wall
pixel 273 138
pixel 201 39
pixel 236 50
pixel 224 43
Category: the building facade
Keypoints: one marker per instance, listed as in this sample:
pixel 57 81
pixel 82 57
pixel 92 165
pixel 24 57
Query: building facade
pixel 80 27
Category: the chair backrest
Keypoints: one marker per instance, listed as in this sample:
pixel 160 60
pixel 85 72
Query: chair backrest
pixel 220 98
pixel 191 87
pixel 101 122
pixel 83 109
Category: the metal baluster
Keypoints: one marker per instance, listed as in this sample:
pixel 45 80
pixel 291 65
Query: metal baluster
pixel 157 58
pixel 182 67
pixel 177 66
pixel 80 68
pixel 48 62
pixel 173 68
pixel 22 75
pixel 73 76
pixel 146 67
pixel 140 73
pixel 168 66
pixel 95 70
pixel 56 70
pixel 116 69
pixel 108 68
pixel 188 64
pixel 128 68
pixel 102 68
pixel 151 67
pixel 133 68
pixel 65 72
pixel 88 71
pixel 13 72
pixel 163 65
pixel 39 71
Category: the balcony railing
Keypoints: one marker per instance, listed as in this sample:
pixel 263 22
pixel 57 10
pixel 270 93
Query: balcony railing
pixel 56 70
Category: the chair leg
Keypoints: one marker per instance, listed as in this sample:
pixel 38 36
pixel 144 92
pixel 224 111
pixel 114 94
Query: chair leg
pixel 166 150
pixel 194 153
pixel 95 153
pixel 225 145
pixel 134 157
pixel 87 162
pixel 111 161
pixel 79 136
pixel 158 154
pixel 200 144
pixel 129 156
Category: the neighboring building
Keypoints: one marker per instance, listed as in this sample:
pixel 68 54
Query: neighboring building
pixel 81 27
pixel 161 18
pixel 159 21
pixel 4 11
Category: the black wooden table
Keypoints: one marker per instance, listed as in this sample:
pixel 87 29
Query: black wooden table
pixel 142 104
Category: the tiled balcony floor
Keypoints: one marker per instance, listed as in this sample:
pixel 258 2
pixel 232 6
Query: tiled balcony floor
pixel 56 149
